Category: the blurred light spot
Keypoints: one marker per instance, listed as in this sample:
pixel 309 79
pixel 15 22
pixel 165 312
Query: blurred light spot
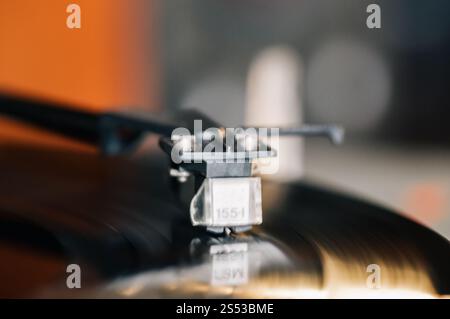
pixel 348 83
pixel 426 202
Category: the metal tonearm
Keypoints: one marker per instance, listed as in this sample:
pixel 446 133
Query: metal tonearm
pixel 227 191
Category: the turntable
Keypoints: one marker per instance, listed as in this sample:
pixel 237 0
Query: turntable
pixel 148 227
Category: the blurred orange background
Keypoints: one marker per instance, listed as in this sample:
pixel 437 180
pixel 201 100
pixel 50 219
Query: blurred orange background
pixel 109 63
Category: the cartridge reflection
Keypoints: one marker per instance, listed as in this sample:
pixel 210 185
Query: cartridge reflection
pixel 218 267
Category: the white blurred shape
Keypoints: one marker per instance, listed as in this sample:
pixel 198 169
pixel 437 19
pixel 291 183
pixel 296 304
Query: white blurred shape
pixel 273 100
pixel 348 83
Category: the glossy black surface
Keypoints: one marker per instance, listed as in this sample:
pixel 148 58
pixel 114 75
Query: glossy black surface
pixel 122 222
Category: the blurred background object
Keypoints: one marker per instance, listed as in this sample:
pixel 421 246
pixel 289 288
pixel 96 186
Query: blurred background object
pixel 388 86
pixel 273 100
pixel 111 62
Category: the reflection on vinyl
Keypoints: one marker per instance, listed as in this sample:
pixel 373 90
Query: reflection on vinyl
pixel 119 220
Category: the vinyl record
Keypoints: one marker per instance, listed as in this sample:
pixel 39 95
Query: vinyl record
pixel 121 222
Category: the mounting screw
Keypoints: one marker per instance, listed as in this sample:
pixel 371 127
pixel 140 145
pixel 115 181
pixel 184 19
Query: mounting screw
pixel 180 173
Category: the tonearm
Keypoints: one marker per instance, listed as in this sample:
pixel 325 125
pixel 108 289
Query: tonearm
pixel 222 161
